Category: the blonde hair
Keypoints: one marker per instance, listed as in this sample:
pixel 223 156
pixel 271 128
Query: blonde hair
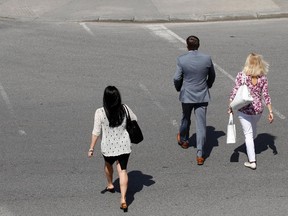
pixel 255 65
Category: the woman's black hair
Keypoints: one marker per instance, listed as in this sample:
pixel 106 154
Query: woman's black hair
pixel 113 106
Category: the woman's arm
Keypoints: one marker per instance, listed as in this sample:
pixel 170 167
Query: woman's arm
pixel 237 83
pixel 267 99
pixel 96 132
pixel 229 107
pixel 270 115
pixel 94 139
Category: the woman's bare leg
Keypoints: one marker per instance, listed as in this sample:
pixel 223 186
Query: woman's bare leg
pixel 123 176
pixel 109 175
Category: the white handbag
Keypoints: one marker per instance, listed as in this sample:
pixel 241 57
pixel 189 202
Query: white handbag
pixel 231 131
pixel 242 97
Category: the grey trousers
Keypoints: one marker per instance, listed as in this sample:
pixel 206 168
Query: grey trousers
pixel 200 110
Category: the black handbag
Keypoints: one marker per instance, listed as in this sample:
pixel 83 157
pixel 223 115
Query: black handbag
pixel 133 129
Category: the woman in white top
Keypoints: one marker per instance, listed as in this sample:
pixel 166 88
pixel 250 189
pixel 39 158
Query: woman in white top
pixel 110 121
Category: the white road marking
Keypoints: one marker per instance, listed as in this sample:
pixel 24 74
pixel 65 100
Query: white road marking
pixel 224 72
pixel 10 108
pixel 175 123
pixel 156 102
pixel 278 114
pixel 87 28
pixel 163 32
pixel 4 210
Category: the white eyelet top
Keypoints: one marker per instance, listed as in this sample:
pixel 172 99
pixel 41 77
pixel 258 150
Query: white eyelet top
pixel 115 141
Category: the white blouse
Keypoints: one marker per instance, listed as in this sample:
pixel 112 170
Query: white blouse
pixel 115 141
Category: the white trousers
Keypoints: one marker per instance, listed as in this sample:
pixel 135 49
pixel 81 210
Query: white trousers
pixel 249 126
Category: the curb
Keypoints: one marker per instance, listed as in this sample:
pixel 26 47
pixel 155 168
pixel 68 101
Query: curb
pixel 188 18
pixel 178 18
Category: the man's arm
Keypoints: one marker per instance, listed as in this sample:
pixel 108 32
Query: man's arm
pixel 178 77
pixel 211 75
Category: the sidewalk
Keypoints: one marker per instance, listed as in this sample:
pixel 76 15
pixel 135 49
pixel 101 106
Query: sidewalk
pixel 142 10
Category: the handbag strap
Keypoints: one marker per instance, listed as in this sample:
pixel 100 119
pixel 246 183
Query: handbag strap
pixel 127 112
pixel 230 122
pixel 243 78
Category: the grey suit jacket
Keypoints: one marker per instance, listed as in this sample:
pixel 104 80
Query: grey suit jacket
pixel 194 76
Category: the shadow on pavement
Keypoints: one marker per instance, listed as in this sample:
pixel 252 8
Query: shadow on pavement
pixel 262 142
pixel 212 137
pixel 137 180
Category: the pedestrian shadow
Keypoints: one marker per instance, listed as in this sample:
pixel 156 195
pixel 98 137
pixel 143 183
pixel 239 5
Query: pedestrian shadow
pixel 136 182
pixel 212 137
pixel 263 142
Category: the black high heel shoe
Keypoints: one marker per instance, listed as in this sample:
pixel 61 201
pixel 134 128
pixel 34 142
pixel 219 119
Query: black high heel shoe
pixel 124 207
pixel 111 190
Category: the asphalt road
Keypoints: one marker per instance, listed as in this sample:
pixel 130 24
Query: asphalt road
pixel 52 79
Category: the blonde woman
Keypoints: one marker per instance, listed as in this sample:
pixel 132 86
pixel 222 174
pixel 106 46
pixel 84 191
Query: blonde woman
pixel 255 70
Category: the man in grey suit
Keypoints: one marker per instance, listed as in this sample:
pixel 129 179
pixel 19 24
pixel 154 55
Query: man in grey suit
pixel 194 76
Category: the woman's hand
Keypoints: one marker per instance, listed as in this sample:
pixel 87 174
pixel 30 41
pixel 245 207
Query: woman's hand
pixel 270 117
pixel 94 139
pixel 229 107
pixel 229 110
pixel 90 153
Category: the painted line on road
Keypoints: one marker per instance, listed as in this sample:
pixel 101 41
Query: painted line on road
pixel 156 102
pixel 87 28
pixel 224 72
pixel 163 32
pixel 10 108
pixel 4 210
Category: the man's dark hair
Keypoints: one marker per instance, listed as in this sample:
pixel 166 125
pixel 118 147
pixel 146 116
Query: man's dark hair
pixel 193 42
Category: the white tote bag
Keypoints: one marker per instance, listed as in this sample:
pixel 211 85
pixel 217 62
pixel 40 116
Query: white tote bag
pixel 231 131
pixel 242 97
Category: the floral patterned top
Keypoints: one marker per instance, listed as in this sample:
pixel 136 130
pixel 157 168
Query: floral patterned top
pixel 115 141
pixel 258 91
